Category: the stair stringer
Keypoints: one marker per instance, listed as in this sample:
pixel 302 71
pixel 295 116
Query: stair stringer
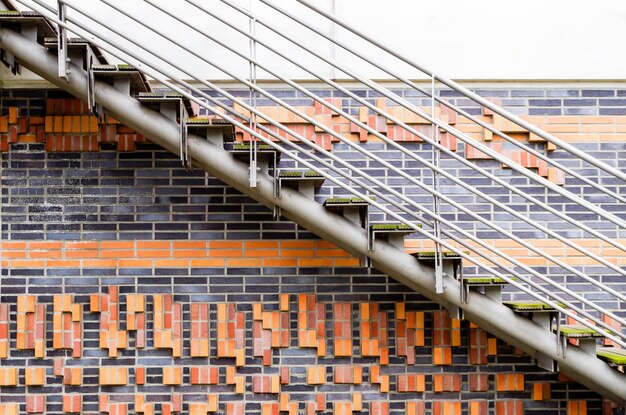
pixel 491 315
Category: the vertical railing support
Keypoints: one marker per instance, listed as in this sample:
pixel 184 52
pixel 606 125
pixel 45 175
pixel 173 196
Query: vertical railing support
pixel 62 41
pixel 253 118
pixel 436 202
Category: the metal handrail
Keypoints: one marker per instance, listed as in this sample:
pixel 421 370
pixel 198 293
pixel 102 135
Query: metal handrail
pixel 382 161
pixel 342 185
pixel 397 146
pixel 406 104
pixel 469 94
pixel 415 86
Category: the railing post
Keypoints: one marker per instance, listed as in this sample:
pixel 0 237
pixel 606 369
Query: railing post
pixel 62 41
pixel 253 95
pixel 436 202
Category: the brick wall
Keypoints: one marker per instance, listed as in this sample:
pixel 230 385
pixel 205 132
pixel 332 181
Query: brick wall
pixel 131 285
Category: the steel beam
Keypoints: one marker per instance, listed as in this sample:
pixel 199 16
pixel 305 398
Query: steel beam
pixel 489 314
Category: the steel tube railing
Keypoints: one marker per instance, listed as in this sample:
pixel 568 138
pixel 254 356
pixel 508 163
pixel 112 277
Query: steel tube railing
pixel 529 337
pixel 393 119
pixel 383 195
pixel 417 158
pixel 427 93
pixel 477 98
pixel 468 140
pixel 373 156
pixel 344 186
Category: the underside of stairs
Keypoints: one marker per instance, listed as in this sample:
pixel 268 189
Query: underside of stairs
pixel 343 221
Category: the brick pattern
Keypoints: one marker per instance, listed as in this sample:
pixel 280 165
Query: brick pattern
pixel 230 333
pixel 67 325
pixel 129 207
pixel 374 332
pixel 410 332
pixel 168 324
pixel 108 305
pixel 311 328
pixel 31 329
pixel 279 383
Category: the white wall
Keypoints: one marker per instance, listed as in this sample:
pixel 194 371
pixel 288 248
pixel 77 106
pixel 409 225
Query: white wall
pixel 472 40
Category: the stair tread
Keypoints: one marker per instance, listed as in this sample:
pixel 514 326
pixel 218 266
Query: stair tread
pixel 484 281
pixel 393 227
pixel 576 331
pixel 205 121
pixel 345 201
pixel 160 95
pixel 298 174
pixel 431 254
pixel 528 306
pixel 612 355
pixel 246 147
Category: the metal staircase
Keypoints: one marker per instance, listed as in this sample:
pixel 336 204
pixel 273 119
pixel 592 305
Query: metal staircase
pixel 282 169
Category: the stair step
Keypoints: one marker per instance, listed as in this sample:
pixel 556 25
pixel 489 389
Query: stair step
pixel 392 227
pixel 612 355
pixel 430 255
pixel 345 201
pixel 206 121
pixel 260 147
pixel 576 331
pixel 480 281
pixel 521 306
pixel 156 97
pixel 394 232
pixel 288 176
pixel 122 67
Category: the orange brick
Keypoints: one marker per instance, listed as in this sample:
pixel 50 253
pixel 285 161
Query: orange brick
pixel 541 391
pixel 135 263
pixel 316 375
pixel 35 376
pixel 243 263
pixel 172 375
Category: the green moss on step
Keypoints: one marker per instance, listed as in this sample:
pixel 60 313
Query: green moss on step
pixel 311 173
pixel 431 254
pixel 126 67
pixel 9 13
pixel 485 281
pixel 345 200
pixel 577 331
pixel 198 121
pixel 529 306
pixel 392 227
pixel 612 355
pixel 246 146
pixel 103 68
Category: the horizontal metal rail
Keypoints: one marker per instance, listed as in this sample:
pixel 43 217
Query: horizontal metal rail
pixel 529 337
pixel 463 137
pixel 469 94
pixel 371 155
pixel 391 142
pixel 426 92
pixel 289 143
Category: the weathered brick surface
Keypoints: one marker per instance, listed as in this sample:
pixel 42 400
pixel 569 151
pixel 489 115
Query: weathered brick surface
pixel 165 291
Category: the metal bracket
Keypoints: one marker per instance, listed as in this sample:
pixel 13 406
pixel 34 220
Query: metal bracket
pixel 185 158
pixel 63 59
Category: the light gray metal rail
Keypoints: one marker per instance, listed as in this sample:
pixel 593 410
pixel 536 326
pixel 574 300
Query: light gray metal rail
pixel 350 94
pixel 415 86
pixel 463 137
pixel 466 92
pixel 528 336
pixel 373 156
pixel 374 203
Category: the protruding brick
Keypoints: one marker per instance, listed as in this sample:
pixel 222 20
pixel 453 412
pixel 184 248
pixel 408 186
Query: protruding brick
pixel 35 404
pixel 541 391
pixel 172 375
pixel 316 375
pixel 72 403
